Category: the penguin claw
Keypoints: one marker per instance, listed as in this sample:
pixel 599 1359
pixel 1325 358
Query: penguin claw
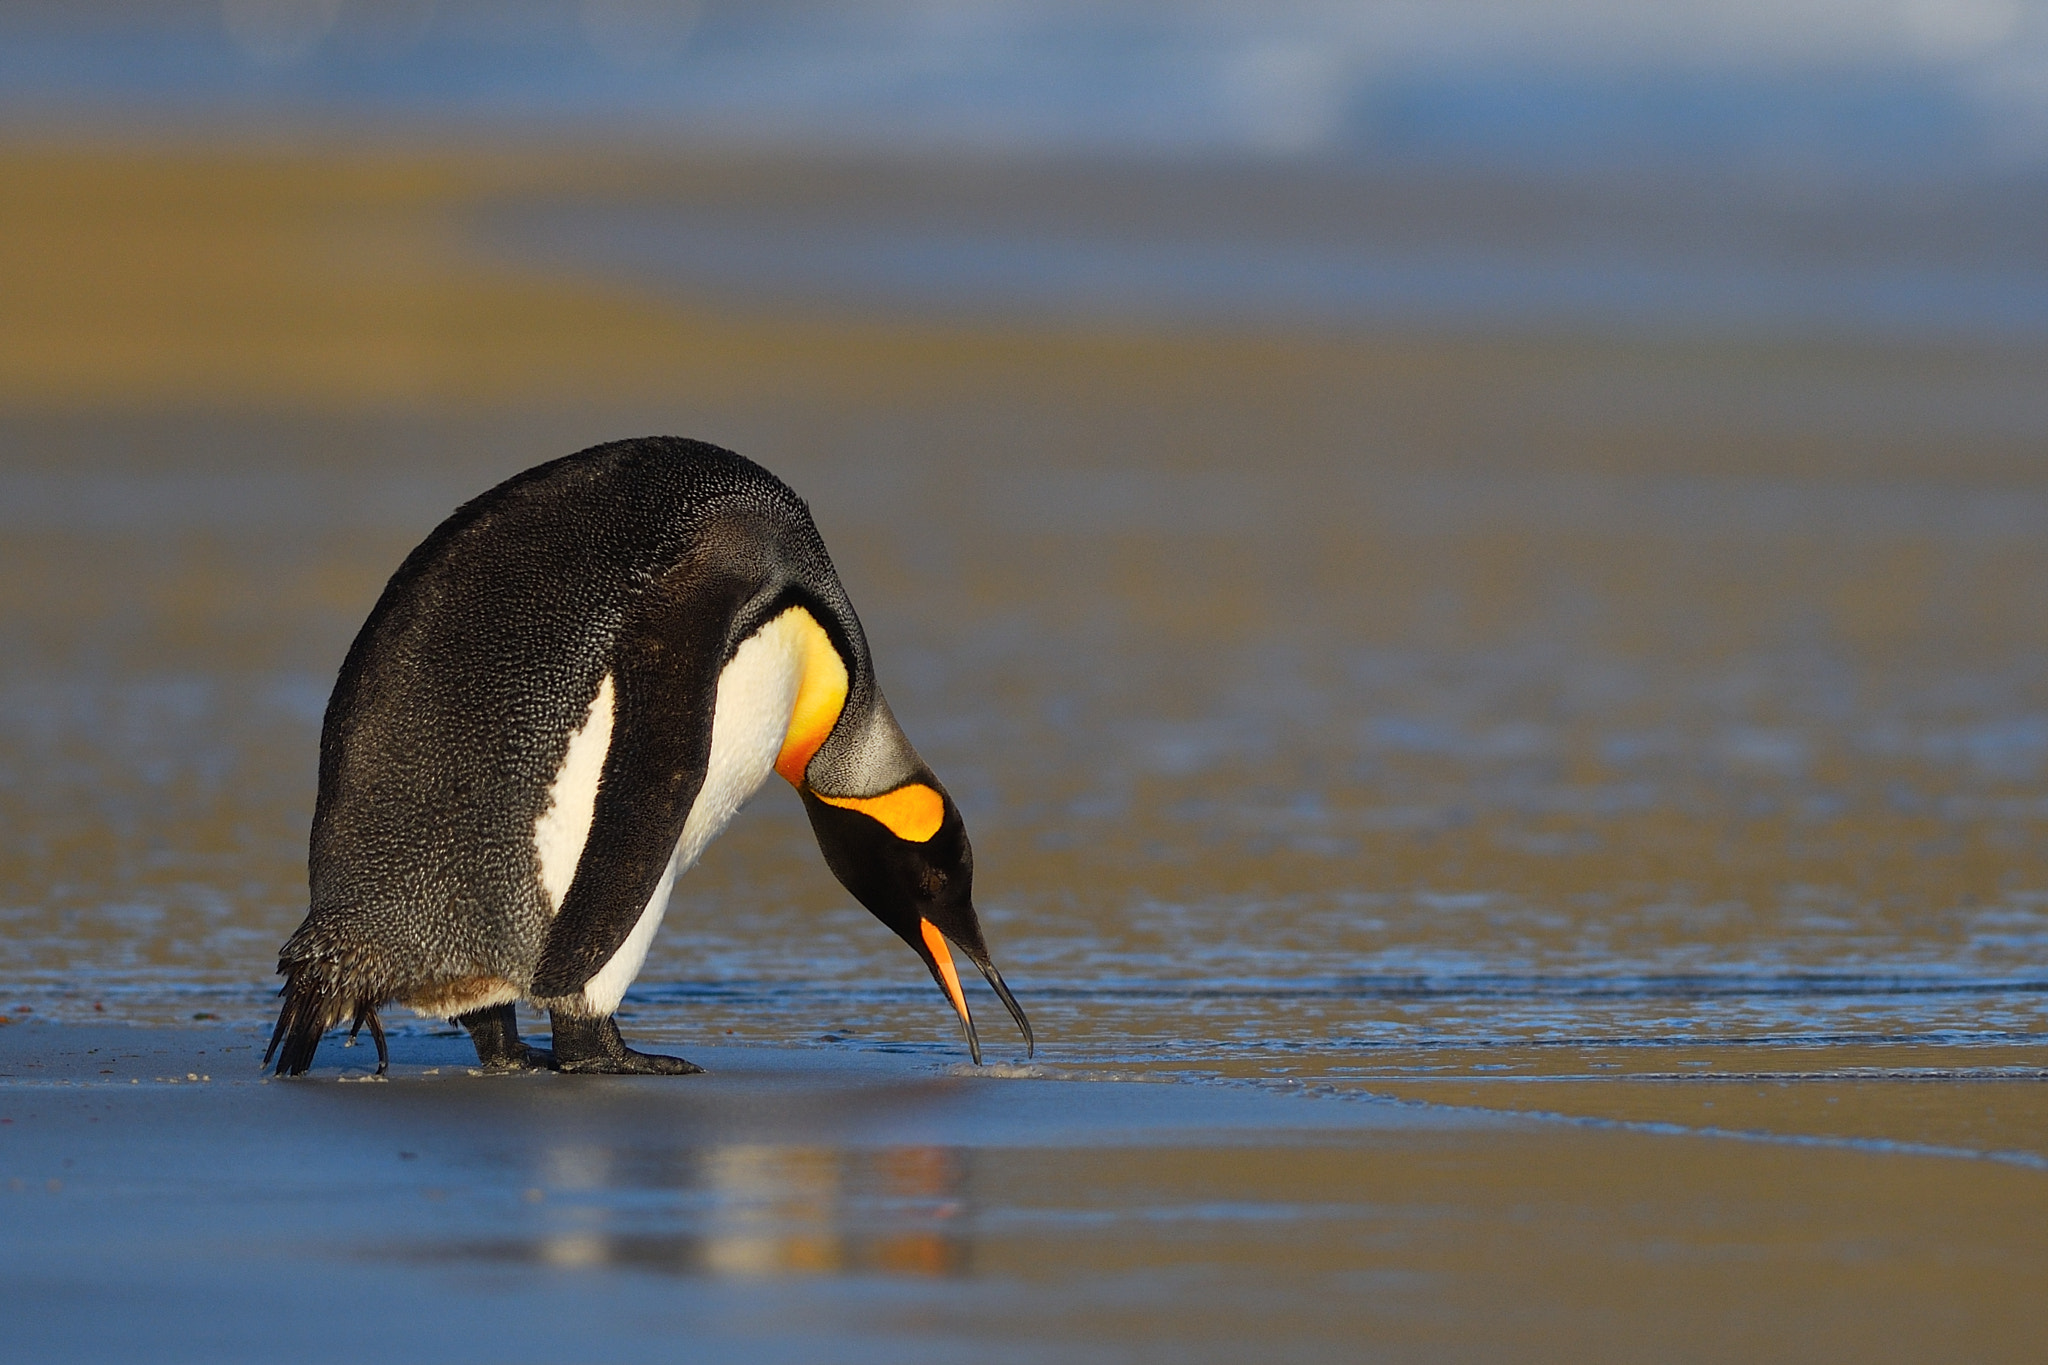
pixel 631 1064
pixel 367 1014
pixel 587 1047
pixel 526 1058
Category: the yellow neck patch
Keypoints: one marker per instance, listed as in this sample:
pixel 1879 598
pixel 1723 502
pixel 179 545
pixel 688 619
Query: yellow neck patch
pixel 913 813
pixel 820 695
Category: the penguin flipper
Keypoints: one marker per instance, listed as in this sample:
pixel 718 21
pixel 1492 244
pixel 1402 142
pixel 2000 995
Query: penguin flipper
pixel 665 672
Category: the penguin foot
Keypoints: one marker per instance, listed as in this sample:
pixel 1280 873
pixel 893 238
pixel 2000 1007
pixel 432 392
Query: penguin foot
pixel 495 1031
pixel 593 1047
pixel 527 1058
pixel 367 1014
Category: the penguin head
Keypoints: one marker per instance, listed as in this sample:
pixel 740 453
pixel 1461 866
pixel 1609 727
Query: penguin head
pixel 905 856
pixel 887 828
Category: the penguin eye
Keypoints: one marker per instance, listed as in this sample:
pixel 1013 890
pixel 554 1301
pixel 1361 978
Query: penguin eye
pixel 932 881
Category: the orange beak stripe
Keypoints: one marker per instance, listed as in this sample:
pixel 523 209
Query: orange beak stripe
pixel 943 955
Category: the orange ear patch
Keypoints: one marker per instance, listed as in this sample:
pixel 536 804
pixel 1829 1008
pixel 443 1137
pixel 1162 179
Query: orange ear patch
pixel 820 695
pixel 912 813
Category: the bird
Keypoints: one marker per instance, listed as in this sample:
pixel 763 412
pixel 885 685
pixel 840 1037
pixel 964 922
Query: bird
pixel 562 696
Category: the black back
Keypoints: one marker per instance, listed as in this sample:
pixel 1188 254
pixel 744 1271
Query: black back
pixel 649 559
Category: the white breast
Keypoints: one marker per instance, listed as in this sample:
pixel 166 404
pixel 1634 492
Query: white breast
pixel 756 694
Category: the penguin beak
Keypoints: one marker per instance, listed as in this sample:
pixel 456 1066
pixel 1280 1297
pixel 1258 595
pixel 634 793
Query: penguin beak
pixel 939 956
pixel 995 981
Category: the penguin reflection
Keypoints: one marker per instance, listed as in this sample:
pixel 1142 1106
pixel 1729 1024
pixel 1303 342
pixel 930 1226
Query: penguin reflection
pixel 771 1211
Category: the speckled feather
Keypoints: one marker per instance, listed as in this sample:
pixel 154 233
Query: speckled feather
pixel 650 559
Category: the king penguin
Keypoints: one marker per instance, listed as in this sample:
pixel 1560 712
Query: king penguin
pixel 561 698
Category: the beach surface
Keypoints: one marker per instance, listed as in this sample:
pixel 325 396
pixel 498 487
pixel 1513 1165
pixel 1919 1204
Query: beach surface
pixel 164 1201
pixel 1521 843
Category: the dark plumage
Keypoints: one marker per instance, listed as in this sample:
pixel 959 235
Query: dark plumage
pixel 644 565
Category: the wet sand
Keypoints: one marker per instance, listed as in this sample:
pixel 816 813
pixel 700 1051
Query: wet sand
pixel 161 1200
pixel 1648 731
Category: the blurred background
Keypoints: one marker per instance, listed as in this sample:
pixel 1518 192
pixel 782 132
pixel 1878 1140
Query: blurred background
pixel 1436 545
pixel 1865 166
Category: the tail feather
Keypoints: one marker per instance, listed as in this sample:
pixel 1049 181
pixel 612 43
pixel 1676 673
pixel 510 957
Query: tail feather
pixel 311 1007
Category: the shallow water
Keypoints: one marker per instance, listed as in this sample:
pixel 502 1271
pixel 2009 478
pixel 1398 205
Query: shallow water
pixel 1325 707
pixel 1312 764
pixel 1643 736
pixel 830 1205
